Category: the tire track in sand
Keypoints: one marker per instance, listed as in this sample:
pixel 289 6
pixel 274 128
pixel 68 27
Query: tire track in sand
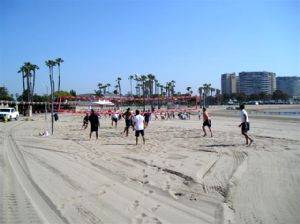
pixel 26 201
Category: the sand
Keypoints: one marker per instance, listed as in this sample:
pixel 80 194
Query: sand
pixel 178 176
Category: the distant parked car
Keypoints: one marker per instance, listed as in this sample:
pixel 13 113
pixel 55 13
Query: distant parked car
pixel 9 114
pixel 230 108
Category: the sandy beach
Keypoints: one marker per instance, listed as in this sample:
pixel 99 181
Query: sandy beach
pixel 178 176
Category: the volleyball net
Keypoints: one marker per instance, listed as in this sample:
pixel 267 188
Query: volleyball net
pixel 80 105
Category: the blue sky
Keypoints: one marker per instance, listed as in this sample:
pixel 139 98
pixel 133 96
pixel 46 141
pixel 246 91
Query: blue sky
pixel 191 42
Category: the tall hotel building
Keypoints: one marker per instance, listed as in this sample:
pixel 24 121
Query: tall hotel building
pixel 289 85
pixel 257 82
pixel 229 83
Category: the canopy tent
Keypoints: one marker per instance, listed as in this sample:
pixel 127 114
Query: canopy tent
pixel 104 103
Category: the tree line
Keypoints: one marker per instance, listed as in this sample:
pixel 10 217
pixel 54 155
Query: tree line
pixel 145 86
pixel 149 86
pixel 28 75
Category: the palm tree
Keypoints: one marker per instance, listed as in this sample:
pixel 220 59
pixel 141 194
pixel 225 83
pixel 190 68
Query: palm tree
pixel 28 75
pixel 131 78
pixel 116 89
pixel 28 71
pixel 206 89
pixel 137 90
pixel 108 85
pixel 161 89
pixel 189 90
pixel 143 80
pixel 105 87
pixel 22 70
pixel 156 87
pixel 169 87
pixel 172 85
pixel 138 85
pixel 119 85
pixel 58 61
pixel 33 68
pixel 51 64
pixel 151 79
pixel 200 90
pixel 211 91
pixel 99 91
pixel 218 94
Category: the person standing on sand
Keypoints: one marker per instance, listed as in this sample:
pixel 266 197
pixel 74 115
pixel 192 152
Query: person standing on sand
pixel 245 125
pixel 127 116
pixel 114 118
pixel 206 122
pixel 139 124
pixel 85 121
pixel 147 116
pixel 95 124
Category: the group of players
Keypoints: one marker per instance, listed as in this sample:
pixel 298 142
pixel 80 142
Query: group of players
pixel 139 122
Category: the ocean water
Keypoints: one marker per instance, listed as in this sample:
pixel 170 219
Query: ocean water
pixel 284 113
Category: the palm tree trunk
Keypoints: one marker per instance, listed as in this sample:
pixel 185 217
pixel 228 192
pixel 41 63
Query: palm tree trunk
pixel 30 82
pixel 144 87
pixel 28 88
pixel 52 91
pixel 131 87
pixel 23 76
pixel 33 83
pixel 58 77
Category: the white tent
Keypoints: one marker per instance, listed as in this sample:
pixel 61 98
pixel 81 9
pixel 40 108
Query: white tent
pixel 104 103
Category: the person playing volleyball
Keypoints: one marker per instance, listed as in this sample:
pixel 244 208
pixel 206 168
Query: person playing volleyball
pixel 127 116
pixel 139 124
pixel 206 122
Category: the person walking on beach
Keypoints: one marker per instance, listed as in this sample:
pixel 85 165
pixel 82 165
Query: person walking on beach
pixel 85 121
pixel 95 124
pixel 245 125
pixel 206 122
pixel 139 124
pixel 127 116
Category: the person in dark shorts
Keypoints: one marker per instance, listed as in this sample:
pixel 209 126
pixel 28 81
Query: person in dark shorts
pixel 139 124
pixel 245 124
pixel 55 115
pixel 95 124
pixel 147 116
pixel 206 122
pixel 114 118
pixel 85 121
pixel 127 116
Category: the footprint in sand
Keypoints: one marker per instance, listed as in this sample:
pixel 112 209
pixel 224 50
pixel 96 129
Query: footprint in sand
pixel 156 221
pixel 143 218
pixel 166 186
pixel 135 205
pixel 145 181
pixel 154 209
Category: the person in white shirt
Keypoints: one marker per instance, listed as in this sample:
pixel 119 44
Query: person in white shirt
pixel 138 125
pixel 245 125
pixel 114 118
